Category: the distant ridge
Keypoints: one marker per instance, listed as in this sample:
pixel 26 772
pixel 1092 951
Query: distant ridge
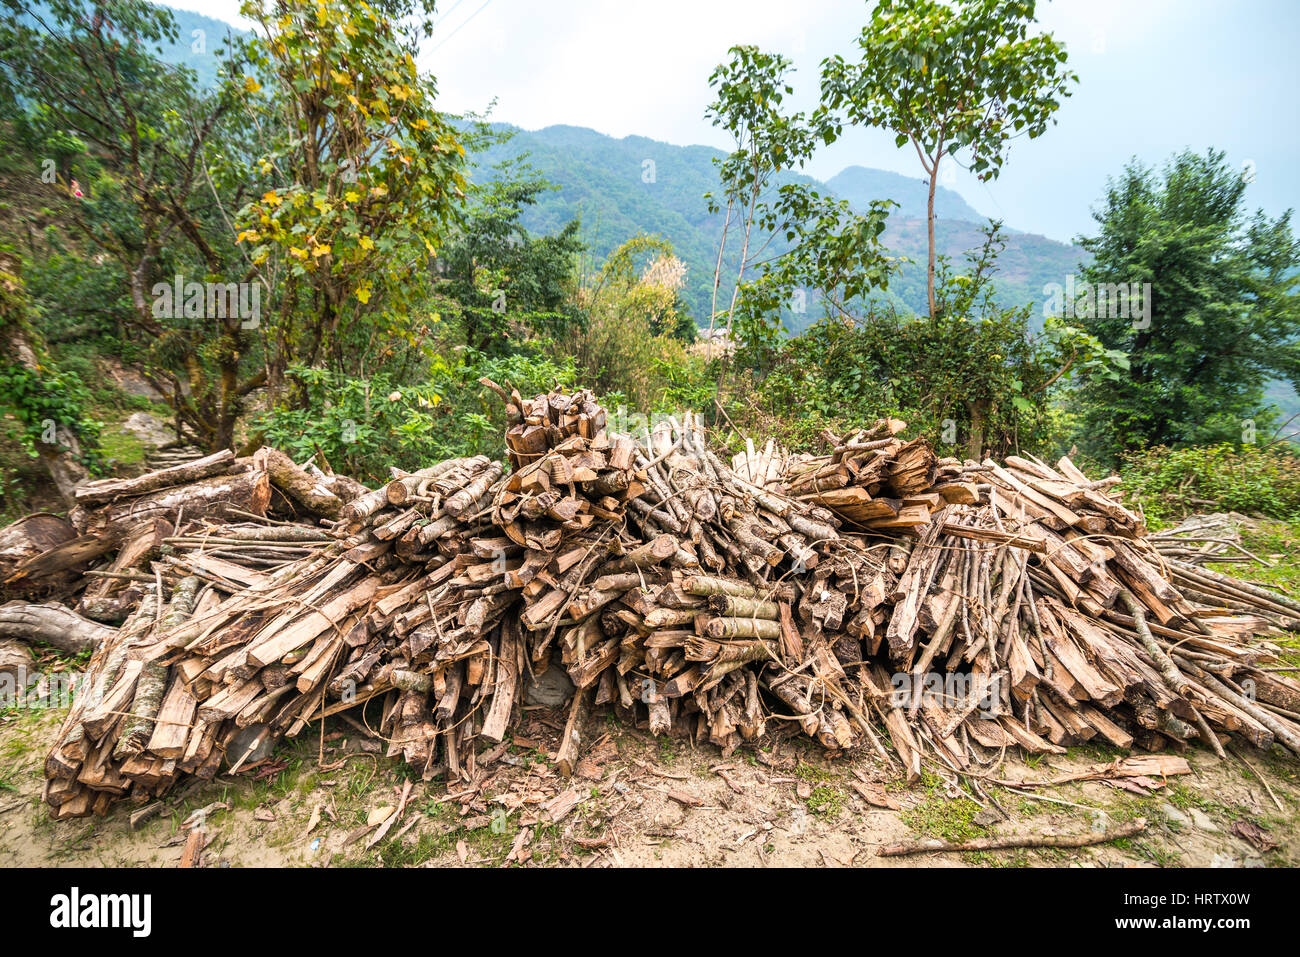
pixel 619 187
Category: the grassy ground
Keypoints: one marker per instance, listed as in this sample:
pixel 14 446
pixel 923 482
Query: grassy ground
pixel 1279 543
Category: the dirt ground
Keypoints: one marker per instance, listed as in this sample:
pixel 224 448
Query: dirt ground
pixel 331 799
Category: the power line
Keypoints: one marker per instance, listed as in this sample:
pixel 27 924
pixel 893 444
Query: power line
pixel 450 11
pixel 462 24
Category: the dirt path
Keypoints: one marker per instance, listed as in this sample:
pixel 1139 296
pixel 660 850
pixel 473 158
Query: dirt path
pixel 640 802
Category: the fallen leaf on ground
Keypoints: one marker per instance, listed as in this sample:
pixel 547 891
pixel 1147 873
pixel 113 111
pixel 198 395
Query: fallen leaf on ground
pixel 1253 834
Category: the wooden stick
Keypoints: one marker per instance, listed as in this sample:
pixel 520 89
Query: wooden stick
pixel 933 844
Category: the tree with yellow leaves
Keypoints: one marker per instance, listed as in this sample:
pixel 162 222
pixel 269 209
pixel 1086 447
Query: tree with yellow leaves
pixel 364 176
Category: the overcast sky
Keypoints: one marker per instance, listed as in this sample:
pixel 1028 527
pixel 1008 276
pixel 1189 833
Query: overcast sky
pixel 1154 76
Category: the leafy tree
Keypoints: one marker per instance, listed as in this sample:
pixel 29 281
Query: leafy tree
pixel 317 173
pixel 89 73
pixel 626 345
pixel 750 89
pixel 950 79
pixel 1221 317
pixel 496 282
pixel 833 251
pixel 364 176
pixel 971 377
pixel 828 248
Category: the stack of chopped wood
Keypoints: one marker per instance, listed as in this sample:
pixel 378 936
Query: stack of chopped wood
pixel 876 480
pixel 961 607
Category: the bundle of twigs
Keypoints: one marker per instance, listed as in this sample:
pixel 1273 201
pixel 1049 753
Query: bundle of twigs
pixel 1204 538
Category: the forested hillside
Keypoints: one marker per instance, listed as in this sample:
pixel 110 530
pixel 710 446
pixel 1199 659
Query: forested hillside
pixel 606 183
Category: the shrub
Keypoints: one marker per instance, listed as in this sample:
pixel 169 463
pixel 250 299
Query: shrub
pixel 1254 479
pixel 363 426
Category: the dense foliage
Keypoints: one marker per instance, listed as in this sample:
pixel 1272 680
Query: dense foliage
pixel 1222 317
pixel 1251 479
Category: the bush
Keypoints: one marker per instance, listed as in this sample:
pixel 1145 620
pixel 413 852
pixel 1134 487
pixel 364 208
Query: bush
pixel 1170 483
pixel 363 426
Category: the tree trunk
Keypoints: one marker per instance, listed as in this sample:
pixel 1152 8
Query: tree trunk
pixel 929 217
pixel 106 490
pixel 717 275
pixel 975 439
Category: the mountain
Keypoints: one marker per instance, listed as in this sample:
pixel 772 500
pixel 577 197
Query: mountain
pixel 619 187
pixel 860 185
pixel 198 38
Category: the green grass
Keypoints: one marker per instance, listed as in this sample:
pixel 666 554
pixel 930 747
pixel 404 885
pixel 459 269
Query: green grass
pixel 952 819
pixel 121 447
pixel 1277 542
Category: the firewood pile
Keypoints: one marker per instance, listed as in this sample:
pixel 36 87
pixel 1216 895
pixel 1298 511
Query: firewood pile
pixel 877 596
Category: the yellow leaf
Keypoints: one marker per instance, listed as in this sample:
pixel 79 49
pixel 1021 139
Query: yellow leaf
pixel 321 250
pixel 251 85
pixel 352 196
pixel 363 293
pixel 270 198
pixel 366 243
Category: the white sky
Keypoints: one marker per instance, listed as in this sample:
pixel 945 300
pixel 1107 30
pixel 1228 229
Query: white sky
pixel 1155 76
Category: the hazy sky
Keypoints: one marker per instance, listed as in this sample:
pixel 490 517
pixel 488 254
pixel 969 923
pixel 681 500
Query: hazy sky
pixel 1154 76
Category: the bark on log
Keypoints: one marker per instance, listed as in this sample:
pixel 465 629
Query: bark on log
pixel 51 624
pixel 107 490
pixel 294 482
pixel 15 662
pixel 28 538
pixel 247 491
